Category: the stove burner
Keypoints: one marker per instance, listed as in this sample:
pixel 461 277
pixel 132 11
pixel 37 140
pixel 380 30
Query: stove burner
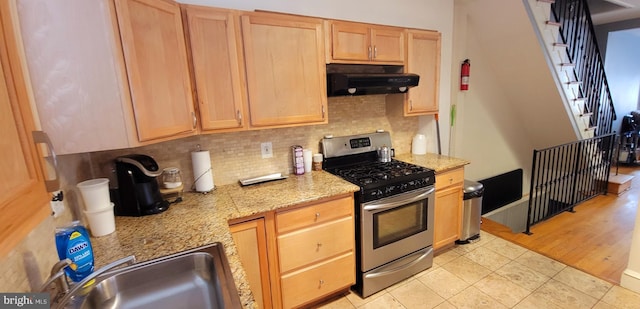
pixel 378 172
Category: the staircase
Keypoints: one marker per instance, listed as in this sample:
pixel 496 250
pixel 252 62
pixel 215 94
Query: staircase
pixel 565 30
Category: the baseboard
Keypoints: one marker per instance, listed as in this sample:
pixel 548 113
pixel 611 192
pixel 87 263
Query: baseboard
pixel 630 279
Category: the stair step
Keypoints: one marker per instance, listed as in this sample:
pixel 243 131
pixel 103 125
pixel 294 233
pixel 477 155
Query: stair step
pixel 560 45
pixel 579 99
pixel 619 184
pixel 567 64
pixel 592 128
pixel 586 114
pixel 552 23
pixel 548 1
pixel 575 82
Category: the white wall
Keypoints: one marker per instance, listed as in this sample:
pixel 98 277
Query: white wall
pixel 623 71
pixel 422 14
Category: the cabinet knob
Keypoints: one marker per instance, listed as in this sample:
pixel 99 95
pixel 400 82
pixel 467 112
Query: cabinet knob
pixel 318 245
pixel 321 282
pixel 317 216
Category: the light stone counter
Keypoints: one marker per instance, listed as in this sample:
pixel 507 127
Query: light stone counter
pixel 201 219
pixel 436 162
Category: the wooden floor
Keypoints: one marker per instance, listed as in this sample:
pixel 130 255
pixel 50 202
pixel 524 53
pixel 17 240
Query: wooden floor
pixel 596 238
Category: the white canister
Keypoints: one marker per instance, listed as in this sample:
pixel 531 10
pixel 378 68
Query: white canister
pixel 419 144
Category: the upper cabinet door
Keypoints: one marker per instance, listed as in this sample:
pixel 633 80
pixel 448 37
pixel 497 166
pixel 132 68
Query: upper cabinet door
pixel 423 58
pixel 157 67
pixel 286 73
pixel 364 43
pixel 23 198
pixel 215 42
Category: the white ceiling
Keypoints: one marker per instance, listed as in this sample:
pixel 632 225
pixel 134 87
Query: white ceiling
pixel 608 11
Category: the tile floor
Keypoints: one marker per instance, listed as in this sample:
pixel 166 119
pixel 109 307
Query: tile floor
pixel 494 273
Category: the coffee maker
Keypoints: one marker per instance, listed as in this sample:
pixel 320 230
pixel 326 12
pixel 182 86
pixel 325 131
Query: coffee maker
pixel 138 193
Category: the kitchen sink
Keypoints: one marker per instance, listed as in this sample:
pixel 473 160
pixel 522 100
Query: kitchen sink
pixel 197 278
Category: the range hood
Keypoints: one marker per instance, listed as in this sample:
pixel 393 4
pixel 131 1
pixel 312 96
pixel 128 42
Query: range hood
pixel 344 84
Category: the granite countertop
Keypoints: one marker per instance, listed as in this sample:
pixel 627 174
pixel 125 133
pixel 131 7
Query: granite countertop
pixel 202 219
pixel 438 163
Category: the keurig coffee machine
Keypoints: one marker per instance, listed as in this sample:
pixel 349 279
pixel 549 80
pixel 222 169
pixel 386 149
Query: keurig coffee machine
pixel 138 192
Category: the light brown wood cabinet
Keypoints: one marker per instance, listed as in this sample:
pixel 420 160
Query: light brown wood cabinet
pixel 156 58
pixel 296 256
pixel 351 42
pixel 251 242
pixel 423 58
pixel 448 207
pixel 316 250
pixel 215 45
pixel 285 69
pixel 23 197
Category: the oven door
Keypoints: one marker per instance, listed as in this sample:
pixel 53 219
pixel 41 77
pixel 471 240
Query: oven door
pixel 396 226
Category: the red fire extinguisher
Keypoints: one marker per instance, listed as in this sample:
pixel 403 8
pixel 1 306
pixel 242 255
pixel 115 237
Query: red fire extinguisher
pixel 464 75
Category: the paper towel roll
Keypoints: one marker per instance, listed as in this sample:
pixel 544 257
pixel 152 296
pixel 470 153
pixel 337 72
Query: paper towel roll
pixel 307 156
pixel 202 174
pixel 419 144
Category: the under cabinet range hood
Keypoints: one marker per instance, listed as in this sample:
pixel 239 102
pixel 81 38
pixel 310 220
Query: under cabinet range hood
pixel 345 84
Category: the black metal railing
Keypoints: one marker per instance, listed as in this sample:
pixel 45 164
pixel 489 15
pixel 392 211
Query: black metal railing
pixel 566 175
pixel 576 30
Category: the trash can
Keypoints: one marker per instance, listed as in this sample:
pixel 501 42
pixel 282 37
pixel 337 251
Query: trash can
pixel 471 213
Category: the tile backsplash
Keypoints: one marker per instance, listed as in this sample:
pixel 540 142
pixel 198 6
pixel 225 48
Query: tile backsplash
pixel 234 156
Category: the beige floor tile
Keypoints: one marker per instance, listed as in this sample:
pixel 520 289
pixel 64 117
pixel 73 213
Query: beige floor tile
pixel 502 289
pixel 564 296
pixel 583 282
pixel 540 263
pixel 386 301
pixel 537 301
pixel 340 303
pixel 505 248
pixel 522 275
pixel 445 305
pixel 358 301
pixel 622 298
pixel 473 298
pixel 488 258
pixel 445 257
pixel 415 294
pixel 603 305
pixel 443 282
pixel 466 269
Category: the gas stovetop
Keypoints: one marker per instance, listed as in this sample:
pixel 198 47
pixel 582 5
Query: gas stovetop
pixel 355 159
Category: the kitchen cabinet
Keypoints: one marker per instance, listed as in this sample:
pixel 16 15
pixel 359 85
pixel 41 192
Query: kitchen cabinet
pixel 448 207
pixel 316 250
pixel 155 55
pixel 218 67
pixel 23 197
pixel 285 69
pixel 351 42
pixel 251 242
pixel 423 58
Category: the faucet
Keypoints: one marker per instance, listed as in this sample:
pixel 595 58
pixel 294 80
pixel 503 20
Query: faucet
pixel 76 287
pixel 59 277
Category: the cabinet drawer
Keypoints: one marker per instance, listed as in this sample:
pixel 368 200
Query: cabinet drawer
pixel 313 244
pixel 314 282
pixel 323 212
pixel 449 178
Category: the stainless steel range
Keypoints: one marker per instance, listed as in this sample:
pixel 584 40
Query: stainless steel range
pixel 394 209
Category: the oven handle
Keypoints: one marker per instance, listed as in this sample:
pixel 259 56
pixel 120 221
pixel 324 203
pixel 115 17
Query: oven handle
pixel 397 201
pixel 400 268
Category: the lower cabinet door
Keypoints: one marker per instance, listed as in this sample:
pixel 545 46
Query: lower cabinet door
pixel 447 216
pixel 308 284
pixel 251 243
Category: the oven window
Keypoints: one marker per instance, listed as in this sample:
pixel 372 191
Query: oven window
pixel 398 223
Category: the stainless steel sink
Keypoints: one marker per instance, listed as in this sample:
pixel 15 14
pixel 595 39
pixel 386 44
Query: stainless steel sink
pixel 198 278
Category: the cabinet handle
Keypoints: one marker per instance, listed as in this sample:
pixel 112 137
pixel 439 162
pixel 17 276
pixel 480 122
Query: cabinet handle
pixel 375 52
pixel 318 245
pixel 317 216
pixel 40 137
pixel 239 117
pixel 370 53
pixel 195 120
pixel 322 111
pixel 321 282
pixel 410 105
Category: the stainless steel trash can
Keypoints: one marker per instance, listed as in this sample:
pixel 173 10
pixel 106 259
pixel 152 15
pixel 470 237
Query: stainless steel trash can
pixel 473 192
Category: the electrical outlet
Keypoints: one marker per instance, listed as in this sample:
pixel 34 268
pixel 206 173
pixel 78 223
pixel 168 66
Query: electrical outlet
pixel 267 150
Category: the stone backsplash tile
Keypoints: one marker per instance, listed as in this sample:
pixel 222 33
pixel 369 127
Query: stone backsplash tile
pixel 237 155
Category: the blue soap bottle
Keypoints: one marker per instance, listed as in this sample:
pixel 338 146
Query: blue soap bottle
pixel 73 242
